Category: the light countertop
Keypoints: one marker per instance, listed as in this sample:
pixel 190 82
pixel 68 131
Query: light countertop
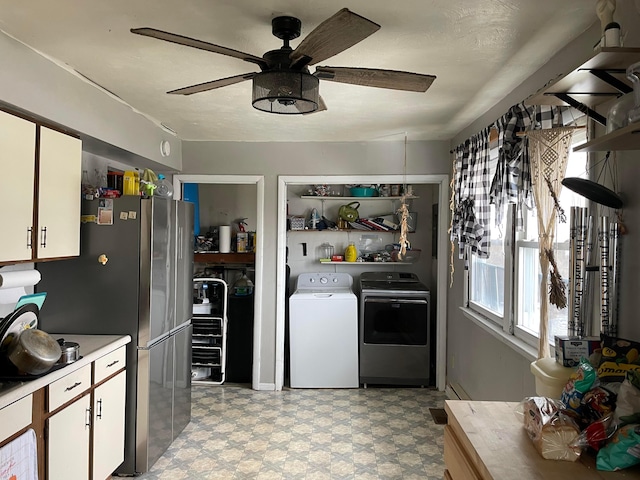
pixel 92 347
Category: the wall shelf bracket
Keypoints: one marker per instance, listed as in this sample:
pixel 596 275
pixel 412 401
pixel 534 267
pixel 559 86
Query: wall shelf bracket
pixel 565 97
pixel 605 74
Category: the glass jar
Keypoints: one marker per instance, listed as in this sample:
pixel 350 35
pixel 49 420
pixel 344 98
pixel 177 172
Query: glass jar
pixel 633 74
pixel 325 251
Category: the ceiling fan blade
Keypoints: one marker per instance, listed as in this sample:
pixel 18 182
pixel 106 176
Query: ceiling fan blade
pixel 192 42
pixel 334 35
pixel 222 82
pixel 373 77
pixel 321 107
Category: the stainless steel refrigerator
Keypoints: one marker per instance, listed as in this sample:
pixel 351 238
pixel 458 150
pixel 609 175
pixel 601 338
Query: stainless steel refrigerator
pixel 134 276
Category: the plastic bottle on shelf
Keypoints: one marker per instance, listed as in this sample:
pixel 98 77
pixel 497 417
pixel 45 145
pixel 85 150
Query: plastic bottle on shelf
pixel 351 253
pixel 315 218
pixel 164 187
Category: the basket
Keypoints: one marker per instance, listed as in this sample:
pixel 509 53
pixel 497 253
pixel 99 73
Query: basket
pixel 297 223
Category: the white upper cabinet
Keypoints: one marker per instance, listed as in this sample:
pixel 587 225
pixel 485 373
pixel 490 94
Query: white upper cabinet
pixel 39 192
pixel 60 178
pixel 17 157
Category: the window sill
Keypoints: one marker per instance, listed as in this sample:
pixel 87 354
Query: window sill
pixel 527 351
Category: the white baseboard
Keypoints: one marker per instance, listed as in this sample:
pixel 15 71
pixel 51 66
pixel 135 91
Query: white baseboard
pixel 266 386
pixel 454 391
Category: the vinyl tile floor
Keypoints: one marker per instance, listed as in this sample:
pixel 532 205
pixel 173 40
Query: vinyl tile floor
pixel 372 433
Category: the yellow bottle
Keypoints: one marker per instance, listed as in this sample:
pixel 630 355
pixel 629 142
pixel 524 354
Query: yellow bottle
pixel 131 185
pixel 351 254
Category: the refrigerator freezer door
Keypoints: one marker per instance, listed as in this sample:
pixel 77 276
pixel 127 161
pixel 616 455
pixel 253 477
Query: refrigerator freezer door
pixel 182 383
pixel 184 263
pixel 154 432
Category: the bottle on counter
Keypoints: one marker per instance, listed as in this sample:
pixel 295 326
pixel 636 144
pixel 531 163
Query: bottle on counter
pixel 351 253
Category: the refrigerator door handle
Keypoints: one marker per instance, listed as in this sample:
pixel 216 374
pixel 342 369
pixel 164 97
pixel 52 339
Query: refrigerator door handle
pixel 155 341
pixel 182 326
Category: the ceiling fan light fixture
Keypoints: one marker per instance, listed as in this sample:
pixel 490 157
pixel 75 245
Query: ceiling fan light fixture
pixel 285 92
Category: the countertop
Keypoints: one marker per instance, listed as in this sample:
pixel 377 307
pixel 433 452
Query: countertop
pixel 92 347
pixel 495 442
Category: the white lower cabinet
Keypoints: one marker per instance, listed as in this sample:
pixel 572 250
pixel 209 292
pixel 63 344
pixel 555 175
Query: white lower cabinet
pixel 108 426
pixel 68 441
pixel 85 439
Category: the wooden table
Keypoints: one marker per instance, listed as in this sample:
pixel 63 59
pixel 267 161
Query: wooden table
pixel 486 441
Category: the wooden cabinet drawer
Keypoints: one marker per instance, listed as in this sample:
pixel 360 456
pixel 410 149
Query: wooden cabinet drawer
pixel 109 364
pixel 458 464
pixel 15 417
pixel 63 390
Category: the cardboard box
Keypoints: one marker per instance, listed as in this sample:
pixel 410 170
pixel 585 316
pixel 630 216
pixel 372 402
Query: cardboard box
pixel 569 350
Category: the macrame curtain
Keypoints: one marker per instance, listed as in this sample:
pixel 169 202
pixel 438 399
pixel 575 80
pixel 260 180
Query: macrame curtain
pixel 548 153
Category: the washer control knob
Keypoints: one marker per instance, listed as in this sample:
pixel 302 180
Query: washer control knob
pixel 312 280
pixel 335 280
pixel 323 280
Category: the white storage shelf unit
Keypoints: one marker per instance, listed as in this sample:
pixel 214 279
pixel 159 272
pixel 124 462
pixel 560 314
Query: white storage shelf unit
pixel 309 241
pixel 209 344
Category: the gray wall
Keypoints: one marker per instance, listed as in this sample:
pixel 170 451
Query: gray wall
pixel 39 88
pixel 484 366
pixel 274 159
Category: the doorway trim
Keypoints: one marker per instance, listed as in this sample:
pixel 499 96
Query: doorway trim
pixel 257 180
pixel 442 262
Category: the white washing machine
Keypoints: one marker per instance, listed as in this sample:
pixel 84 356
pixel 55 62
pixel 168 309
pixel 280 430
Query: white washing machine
pixel 323 332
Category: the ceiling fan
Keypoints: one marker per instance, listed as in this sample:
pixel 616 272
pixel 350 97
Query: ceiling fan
pixel 284 84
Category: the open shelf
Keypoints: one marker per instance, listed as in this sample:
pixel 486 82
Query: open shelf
pixel 598 80
pixel 366 264
pixel 224 258
pixel 321 197
pixel 627 138
pixel 586 83
pixel 352 230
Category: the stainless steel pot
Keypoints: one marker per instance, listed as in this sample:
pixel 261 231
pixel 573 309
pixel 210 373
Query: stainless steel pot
pixel 33 351
pixel 70 351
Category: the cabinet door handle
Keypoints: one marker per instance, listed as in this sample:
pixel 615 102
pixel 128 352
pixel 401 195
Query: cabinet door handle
pixel 113 363
pixel 99 414
pixel 29 237
pixel 73 386
pixel 43 237
pixel 87 418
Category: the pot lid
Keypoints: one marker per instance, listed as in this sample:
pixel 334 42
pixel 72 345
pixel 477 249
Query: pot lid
pixel 67 346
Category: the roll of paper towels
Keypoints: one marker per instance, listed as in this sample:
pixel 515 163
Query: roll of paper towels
pixel 20 278
pixel 12 284
pixel 224 238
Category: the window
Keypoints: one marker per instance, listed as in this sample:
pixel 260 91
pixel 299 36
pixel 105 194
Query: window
pixel 505 288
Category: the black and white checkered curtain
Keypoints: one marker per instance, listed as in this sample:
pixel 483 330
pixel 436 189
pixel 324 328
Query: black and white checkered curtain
pixel 471 216
pixel 476 186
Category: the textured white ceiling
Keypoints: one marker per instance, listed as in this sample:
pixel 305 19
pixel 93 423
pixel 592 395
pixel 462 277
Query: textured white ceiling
pixel 479 50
